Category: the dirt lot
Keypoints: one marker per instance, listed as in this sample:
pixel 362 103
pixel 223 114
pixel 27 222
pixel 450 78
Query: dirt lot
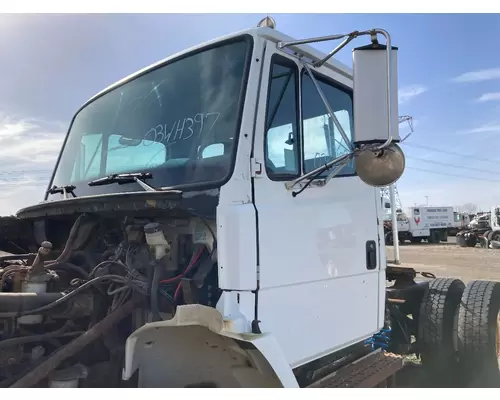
pixel 450 260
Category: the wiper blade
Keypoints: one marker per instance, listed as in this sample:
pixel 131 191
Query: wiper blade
pixel 64 190
pixel 121 179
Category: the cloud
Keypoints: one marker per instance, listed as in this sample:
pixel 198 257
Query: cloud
pixel 478 76
pixel 493 96
pixel 486 128
pixel 406 93
pixel 29 150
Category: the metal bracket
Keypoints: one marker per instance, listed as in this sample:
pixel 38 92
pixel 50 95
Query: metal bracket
pixel 255 167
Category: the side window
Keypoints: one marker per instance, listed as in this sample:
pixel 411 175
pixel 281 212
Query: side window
pixel 323 141
pixel 281 144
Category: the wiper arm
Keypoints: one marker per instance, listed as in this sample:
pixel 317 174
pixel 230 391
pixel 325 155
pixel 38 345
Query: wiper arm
pixel 64 190
pixel 121 179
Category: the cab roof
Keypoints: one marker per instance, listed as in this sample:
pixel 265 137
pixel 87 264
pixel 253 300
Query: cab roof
pixel 267 33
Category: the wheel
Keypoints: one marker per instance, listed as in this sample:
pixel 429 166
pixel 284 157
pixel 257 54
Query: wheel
pixel 388 239
pixel 494 235
pixel 445 236
pixel 479 334
pixel 435 237
pixel 437 326
pixel 471 240
pixel 461 241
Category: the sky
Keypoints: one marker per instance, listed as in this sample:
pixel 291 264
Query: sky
pixel 449 82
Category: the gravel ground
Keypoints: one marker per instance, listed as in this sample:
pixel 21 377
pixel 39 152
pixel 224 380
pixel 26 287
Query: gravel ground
pixel 450 260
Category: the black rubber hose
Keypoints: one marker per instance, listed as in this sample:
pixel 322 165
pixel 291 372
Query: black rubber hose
pixel 64 266
pixel 36 338
pixel 155 284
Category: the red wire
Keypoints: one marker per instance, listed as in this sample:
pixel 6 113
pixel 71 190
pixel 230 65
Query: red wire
pixel 193 261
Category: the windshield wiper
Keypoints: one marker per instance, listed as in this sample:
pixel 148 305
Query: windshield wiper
pixel 121 179
pixel 64 190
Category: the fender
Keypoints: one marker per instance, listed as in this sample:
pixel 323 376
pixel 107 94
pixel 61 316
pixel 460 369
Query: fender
pixel 198 347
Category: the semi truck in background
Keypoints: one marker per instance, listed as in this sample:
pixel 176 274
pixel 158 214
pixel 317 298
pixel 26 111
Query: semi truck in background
pixel 423 223
pixel 461 221
pixel 484 229
pixel 154 262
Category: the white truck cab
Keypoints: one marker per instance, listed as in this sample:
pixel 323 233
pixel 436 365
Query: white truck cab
pixel 225 203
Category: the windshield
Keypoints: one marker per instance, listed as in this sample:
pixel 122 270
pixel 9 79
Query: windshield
pixel 180 122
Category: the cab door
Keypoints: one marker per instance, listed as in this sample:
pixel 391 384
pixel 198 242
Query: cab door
pixel 320 276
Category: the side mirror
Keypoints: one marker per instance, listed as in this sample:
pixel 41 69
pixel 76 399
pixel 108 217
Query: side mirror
pixel 376 118
pixel 375 94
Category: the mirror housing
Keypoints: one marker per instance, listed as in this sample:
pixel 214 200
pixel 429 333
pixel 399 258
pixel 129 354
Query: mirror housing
pixel 376 119
pixel 372 97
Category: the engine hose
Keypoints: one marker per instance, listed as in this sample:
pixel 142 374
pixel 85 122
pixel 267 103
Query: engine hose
pixel 73 233
pixel 154 294
pixel 64 266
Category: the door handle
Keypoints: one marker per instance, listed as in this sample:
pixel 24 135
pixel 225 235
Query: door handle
pixel 371 255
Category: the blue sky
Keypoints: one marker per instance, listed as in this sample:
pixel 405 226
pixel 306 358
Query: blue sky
pixel 449 81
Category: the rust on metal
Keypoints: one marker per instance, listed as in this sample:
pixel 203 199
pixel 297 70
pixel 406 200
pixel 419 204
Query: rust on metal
pixel 371 371
pixel 45 368
pixel 398 301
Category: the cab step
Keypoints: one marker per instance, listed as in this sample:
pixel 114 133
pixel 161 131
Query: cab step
pixel 373 370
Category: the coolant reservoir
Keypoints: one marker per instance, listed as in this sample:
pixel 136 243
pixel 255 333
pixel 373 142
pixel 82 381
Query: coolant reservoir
pixel 156 239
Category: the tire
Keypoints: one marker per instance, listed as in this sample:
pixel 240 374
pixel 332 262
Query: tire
pixel 202 385
pixel 461 241
pixel 494 235
pixel 471 240
pixel 437 327
pixel 435 237
pixel 479 334
pixel 388 239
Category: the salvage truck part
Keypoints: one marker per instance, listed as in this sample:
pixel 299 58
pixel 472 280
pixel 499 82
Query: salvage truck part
pixel 189 238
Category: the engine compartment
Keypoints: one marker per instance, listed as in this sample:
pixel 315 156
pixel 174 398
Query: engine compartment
pixel 67 308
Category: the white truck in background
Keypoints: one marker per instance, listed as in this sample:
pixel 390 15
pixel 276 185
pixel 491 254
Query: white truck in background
pixel 460 222
pixel 483 229
pixel 423 223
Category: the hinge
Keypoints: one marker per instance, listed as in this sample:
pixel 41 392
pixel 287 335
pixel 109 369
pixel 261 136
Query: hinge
pixel 256 168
